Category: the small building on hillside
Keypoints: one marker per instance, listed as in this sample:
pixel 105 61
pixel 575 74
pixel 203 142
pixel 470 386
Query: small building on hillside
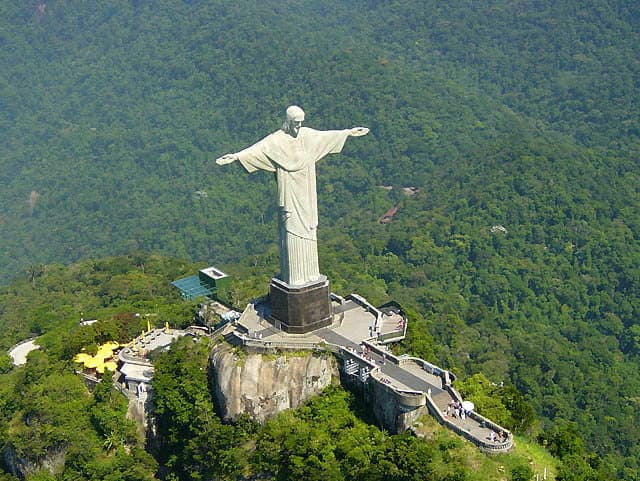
pixel 135 370
pixel 410 191
pixel 215 279
pixel 210 282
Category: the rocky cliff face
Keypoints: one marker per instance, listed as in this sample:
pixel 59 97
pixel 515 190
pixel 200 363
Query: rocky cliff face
pixel 53 462
pixel 263 385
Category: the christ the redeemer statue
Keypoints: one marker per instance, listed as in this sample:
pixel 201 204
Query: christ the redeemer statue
pixel 292 153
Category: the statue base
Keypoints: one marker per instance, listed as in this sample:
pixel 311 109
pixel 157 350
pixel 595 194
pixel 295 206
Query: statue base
pixel 300 309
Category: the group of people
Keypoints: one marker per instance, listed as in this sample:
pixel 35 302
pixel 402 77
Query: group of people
pixel 456 410
pixel 366 351
pixel 495 437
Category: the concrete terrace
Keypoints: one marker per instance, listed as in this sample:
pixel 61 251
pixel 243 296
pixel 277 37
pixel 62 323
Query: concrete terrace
pixel 358 335
pixel 135 370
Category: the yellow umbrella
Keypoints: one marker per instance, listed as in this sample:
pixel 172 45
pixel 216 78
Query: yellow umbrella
pixel 100 367
pixel 91 363
pixel 81 358
pixel 104 351
pixel 111 366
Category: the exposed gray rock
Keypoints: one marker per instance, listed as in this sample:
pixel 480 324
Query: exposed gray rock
pixel 263 385
pixel 21 468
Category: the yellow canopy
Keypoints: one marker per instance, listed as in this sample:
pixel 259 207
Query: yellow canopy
pixel 97 362
pixel 104 352
pixel 106 349
pixel 82 358
pixel 111 366
pixel 100 366
pixel 91 363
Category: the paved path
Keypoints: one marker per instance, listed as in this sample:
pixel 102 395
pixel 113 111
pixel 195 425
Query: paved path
pixel 473 427
pixel 333 337
pixel 410 377
pixel 19 352
pixel 411 381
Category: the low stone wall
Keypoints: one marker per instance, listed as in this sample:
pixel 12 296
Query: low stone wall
pixel 487 446
pixel 362 302
pixel 393 409
pixel 393 336
pixel 270 346
pixel 427 366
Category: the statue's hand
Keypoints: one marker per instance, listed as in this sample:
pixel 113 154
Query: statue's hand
pixel 358 131
pixel 226 159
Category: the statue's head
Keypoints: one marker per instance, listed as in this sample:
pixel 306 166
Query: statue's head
pixel 295 117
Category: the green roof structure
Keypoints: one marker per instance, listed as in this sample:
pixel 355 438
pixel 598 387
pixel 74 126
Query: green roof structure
pixel 191 287
pixel 210 282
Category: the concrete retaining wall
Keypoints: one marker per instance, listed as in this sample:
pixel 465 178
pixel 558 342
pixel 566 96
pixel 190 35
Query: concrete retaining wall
pixel 396 411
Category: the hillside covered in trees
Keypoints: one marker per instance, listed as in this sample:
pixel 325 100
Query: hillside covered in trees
pixel 516 115
pixel 47 414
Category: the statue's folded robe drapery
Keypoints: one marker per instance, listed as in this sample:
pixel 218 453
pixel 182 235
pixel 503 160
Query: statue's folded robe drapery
pixel 293 159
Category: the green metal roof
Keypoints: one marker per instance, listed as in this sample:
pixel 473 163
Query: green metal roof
pixel 191 287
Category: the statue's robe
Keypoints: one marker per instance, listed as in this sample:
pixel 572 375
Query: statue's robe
pixel 293 160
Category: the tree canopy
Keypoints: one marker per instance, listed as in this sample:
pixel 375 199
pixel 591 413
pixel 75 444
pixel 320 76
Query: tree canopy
pixel 515 121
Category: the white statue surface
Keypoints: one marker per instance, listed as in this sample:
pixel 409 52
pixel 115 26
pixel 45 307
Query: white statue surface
pixel 292 153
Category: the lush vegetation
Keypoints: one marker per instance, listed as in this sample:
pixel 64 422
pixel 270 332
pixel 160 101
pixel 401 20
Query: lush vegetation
pixel 127 291
pixel 111 115
pixel 514 114
pixel 47 413
pixel 326 439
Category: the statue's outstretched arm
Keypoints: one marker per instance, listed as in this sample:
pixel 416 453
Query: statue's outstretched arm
pixel 358 131
pixel 226 159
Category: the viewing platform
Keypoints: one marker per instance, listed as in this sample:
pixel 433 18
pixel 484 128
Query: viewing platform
pixel 135 369
pixel 399 388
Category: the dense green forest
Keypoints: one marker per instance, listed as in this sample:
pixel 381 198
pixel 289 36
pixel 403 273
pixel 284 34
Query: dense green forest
pixel 514 114
pixel 46 410
pixel 111 114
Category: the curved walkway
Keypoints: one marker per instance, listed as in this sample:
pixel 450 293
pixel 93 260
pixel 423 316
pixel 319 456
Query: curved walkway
pixel 20 351
pixel 415 375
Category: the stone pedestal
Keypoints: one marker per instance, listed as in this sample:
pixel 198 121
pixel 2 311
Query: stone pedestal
pixel 300 309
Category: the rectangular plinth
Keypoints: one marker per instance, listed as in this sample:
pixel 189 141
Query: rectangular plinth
pixel 300 309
